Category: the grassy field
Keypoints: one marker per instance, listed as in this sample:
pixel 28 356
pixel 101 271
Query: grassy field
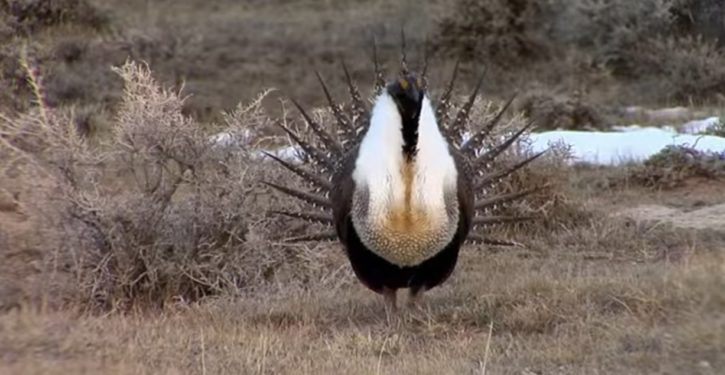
pixel 611 296
pixel 115 259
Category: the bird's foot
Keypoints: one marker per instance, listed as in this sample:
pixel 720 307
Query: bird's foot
pixel 415 299
pixel 391 304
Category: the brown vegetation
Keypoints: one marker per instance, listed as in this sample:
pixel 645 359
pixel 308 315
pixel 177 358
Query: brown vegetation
pixel 146 248
pixel 157 217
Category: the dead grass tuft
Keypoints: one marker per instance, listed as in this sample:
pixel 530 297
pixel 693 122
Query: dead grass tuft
pixel 497 31
pixel 563 112
pixel 552 204
pixel 29 16
pixel 156 213
pixel 675 165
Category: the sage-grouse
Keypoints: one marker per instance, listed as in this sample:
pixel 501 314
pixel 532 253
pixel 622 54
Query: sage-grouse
pixel 402 183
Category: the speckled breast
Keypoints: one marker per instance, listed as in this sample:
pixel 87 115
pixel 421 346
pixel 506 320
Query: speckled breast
pixel 404 236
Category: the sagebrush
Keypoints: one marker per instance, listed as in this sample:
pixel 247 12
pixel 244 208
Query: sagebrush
pixel 670 48
pixel 153 214
pixel 161 210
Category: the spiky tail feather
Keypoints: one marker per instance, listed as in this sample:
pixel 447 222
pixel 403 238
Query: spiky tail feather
pixel 351 124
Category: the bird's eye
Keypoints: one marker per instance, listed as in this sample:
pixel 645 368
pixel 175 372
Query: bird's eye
pixel 403 83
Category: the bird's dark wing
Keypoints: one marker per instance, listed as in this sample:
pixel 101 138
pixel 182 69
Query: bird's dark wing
pixel 466 196
pixel 341 193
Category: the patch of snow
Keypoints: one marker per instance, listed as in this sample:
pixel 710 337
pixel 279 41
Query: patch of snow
pixel 465 136
pixel 289 153
pixel 613 148
pixel 700 126
pixel 634 128
pixel 626 128
pixel 223 139
pixel 231 138
pixel 629 143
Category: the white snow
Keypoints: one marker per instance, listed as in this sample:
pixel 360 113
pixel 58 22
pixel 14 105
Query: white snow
pixel 626 143
pixel 700 126
pixel 289 153
pixel 620 147
pixel 633 144
pixel 233 138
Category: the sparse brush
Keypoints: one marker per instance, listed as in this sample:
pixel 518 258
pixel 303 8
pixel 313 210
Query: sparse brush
pixel 28 16
pixel 155 214
pixel 562 112
pixel 666 49
pixel 161 212
pixel 674 165
pixel 613 31
pixel 717 129
pixel 497 31
pixel 553 205
pixel 689 68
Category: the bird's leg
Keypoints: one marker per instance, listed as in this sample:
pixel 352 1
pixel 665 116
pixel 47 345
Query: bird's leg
pixel 390 295
pixel 414 298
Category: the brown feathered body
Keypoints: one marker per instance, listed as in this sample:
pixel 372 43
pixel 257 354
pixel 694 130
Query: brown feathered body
pixel 398 184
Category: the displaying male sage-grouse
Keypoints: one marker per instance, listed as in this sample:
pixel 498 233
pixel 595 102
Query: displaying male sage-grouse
pixel 400 183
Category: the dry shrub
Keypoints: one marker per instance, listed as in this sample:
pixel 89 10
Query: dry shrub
pixel 551 204
pixel 717 129
pixel 613 30
pixel 700 17
pixel 500 31
pixel 674 165
pixel 687 68
pixel 669 49
pixel 507 32
pixel 156 213
pixel 562 112
pixel 29 16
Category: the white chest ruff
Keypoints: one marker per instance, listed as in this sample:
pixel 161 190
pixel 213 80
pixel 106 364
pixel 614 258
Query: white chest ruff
pixel 404 211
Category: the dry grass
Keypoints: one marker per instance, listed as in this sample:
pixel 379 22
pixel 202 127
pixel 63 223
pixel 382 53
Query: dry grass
pixel 604 55
pixel 153 215
pixel 143 250
pixel 585 292
pixel 558 311
pixel 676 165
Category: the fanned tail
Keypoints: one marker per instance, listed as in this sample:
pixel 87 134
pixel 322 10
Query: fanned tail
pixel 316 237
pixel 473 144
pixel 312 217
pixel 311 198
pixel 456 129
pixel 444 106
pixel 476 239
pixel 306 175
pixel 345 128
pixel 476 144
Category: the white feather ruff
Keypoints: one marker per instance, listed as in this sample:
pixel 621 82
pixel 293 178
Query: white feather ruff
pixel 380 160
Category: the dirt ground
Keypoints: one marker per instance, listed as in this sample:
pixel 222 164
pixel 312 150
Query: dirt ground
pixel 711 217
pixel 634 294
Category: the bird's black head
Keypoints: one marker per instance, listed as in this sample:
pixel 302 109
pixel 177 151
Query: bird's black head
pixel 408 92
